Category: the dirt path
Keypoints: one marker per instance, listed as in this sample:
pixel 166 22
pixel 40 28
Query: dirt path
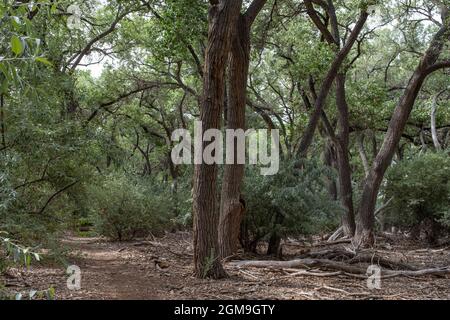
pixel 128 271
pixel 107 272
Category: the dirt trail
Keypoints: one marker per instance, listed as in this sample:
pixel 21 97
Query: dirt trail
pixel 128 271
pixel 108 274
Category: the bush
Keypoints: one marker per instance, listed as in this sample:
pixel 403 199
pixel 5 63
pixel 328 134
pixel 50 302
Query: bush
pixel 420 188
pixel 291 203
pixel 126 208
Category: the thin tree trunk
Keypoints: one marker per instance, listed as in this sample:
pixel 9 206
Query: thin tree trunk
pixel 363 153
pixel 345 179
pixel 2 120
pixel 342 138
pixel 330 161
pixel 223 16
pixel 365 227
pixel 275 238
pixel 434 133
pixel 231 210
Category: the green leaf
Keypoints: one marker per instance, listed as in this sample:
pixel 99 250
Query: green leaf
pixel 17 45
pixel 43 60
pixel 50 293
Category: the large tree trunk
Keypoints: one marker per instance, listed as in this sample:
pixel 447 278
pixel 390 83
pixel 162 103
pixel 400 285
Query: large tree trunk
pixel 223 16
pixel 232 209
pixel 365 227
pixel 345 179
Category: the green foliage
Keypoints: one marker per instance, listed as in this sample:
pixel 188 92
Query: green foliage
pixel 125 208
pixel 292 203
pixel 420 188
pixel 18 253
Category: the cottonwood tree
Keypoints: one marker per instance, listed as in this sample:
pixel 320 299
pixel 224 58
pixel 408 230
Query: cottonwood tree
pixel 223 17
pixel 335 74
pixel 231 208
pixel 428 64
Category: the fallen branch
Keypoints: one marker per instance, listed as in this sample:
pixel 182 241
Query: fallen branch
pixel 336 235
pixel 333 265
pixel 374 259
pixel 425 272
pixel 299 263
pixel 324 244
pixel 313 274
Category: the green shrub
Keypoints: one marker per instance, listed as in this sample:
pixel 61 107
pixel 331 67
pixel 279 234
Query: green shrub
pixel 420 188
pixel 125 208
pixel 291 203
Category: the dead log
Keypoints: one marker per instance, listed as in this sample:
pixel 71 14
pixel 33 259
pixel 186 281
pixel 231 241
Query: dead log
pixel 324 244
pixel 329 254
pixel 300 263
pixel 383 262
pixel 417 273
pixel 338 266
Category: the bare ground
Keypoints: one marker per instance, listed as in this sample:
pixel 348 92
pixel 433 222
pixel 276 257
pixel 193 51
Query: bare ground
pixel 162 269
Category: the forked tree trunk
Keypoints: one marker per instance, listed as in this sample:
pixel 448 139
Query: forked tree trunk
pixel 365 227
pixel 342 138
pixel 308 135
pixel 223 16
pixel 231 208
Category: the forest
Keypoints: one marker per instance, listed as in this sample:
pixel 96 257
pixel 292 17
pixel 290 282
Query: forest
pixel 224 149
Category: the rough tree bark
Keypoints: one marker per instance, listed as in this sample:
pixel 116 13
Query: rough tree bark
pixel 223 17
pixel 365 227
pixel 231 208
pixel 363 153
pixel 345 180
pixel 342 138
